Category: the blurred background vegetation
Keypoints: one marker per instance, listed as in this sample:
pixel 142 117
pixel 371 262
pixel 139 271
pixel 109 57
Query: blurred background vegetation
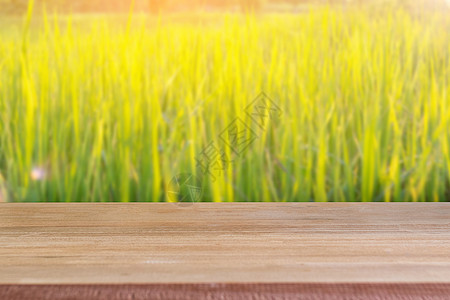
pixel 158 6
pixel 109 106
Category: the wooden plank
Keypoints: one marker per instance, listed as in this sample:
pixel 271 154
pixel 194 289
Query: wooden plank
pixel 223 291
pixel 224 243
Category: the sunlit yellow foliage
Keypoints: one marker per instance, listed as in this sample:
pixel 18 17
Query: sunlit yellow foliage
pixel 110 110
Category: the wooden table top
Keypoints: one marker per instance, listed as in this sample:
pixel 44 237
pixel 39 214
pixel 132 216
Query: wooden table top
pixel 224 243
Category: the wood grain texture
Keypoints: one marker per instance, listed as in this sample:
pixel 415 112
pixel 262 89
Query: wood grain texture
pixel 233 243
pixel 235 291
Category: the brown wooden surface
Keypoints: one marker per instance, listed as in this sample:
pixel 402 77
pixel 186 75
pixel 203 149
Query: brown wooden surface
pixel 240 291
pixel 225 242
pixel 236 244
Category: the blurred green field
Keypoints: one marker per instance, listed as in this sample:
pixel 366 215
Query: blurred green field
pixel 110 108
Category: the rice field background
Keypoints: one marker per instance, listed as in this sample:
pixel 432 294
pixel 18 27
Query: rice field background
pixel 111 107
